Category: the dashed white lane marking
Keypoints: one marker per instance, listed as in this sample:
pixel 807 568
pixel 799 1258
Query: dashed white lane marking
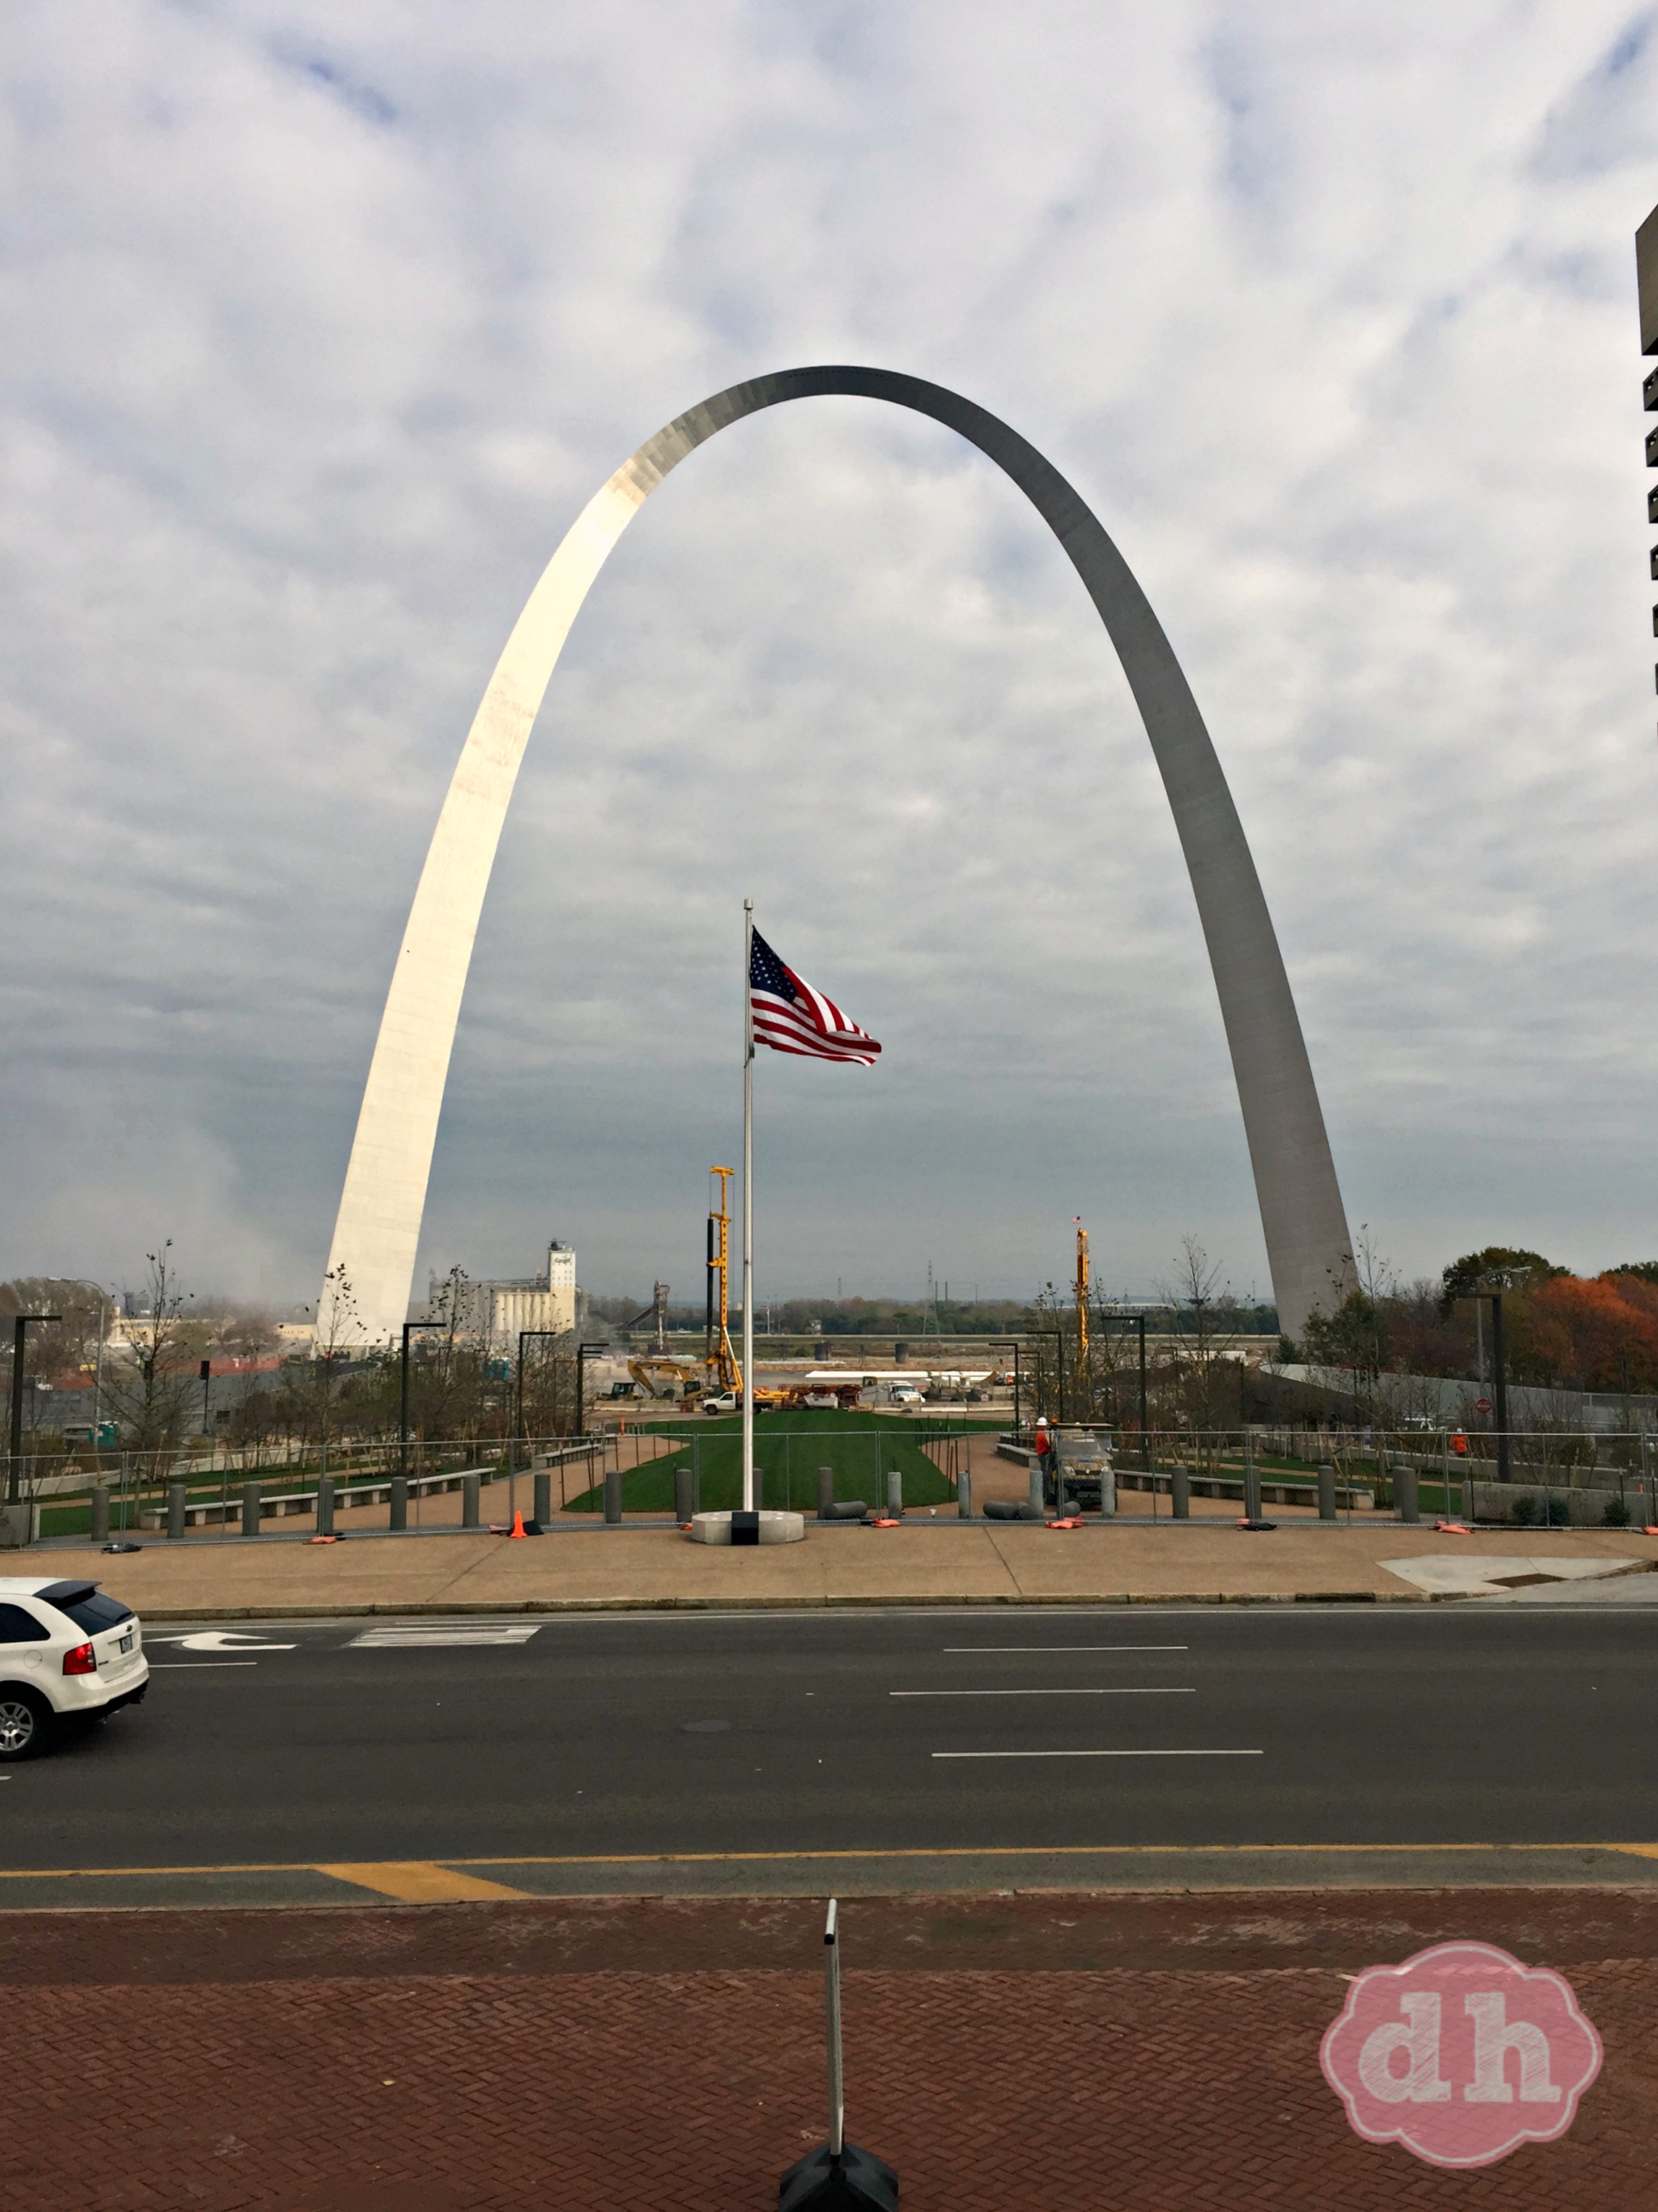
pixel 970 1648
pixel 1159 1691
pixel 194 1666
pixel 424 1639
pixel 1099 1754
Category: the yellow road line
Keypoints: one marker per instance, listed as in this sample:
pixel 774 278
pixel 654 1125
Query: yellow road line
pixel 420 1882
pixel 426 1866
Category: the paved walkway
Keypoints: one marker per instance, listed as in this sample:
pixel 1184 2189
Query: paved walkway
pixel 1050 2053
pixel 924 1562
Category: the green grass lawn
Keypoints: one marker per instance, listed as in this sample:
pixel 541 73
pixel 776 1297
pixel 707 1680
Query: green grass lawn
pixel 863 1449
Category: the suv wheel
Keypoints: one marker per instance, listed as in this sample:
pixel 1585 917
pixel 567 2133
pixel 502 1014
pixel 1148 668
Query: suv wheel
pixel 25 1724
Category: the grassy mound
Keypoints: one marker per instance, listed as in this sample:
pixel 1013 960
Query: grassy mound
pixel 863 1449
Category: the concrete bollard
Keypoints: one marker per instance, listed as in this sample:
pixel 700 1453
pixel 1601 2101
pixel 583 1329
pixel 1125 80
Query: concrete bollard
pixel 99 1514
pixel 1406 1504
pixel 252 1510
pixel 175 1509
pixel 613 1496
pixel 1326 1493
pixel 325 1505
pixel 894 1492
pixel 397 1515
pixel 1251 1491
pixel 543 1496
pixel 826 1493
pixel 1180 1492
pixel 1038 1501
pixel 964 1494
pixel 470 1517
pixel 683 1503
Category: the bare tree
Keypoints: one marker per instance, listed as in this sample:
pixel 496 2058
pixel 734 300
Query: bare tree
pixel 150 1391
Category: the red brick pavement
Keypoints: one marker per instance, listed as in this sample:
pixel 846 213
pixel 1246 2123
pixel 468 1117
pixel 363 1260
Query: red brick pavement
pixel 514 2068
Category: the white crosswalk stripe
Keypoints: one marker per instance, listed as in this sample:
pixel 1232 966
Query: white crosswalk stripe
pixel 416 1636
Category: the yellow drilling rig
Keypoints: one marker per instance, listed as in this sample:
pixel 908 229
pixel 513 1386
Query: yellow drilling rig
pixel 1082 1294
pixel 719 1360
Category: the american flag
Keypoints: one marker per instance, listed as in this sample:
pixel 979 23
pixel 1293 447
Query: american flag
pixel 790 1016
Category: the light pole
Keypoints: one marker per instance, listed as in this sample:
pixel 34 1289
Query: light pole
pixel 524 1337
pixel 1010 1344
pixel 408 1328
pixel 1138 1321
pixel 21 1325
pixel 103 1301
pixel 1499 1378
pixel 582 1351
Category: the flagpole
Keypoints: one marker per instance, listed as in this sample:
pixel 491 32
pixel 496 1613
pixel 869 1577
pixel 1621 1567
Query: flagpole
pixel 748 1499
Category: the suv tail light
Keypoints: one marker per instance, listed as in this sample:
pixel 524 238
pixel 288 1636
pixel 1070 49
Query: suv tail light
pixel 83 1660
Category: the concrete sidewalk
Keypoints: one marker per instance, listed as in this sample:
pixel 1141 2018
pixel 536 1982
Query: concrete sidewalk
pixel 922 1562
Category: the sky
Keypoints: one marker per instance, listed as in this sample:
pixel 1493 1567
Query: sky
pixel 325 321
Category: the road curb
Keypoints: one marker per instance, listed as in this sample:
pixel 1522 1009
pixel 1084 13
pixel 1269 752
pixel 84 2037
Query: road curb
pixel 450 1607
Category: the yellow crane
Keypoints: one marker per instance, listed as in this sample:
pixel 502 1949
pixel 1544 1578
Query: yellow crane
pixel 1082 1294
pixel 719 1360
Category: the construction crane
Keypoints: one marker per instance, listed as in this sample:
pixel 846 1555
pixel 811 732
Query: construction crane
pixel 719 1360
pixel 1082 1294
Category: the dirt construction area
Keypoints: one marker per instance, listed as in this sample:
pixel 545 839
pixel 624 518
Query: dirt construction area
pixel 1018 2053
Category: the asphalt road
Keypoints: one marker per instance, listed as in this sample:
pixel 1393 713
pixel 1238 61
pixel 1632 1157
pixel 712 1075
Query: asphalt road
pixel 624 1734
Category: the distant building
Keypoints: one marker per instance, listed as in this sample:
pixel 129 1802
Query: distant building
pixel 497 1311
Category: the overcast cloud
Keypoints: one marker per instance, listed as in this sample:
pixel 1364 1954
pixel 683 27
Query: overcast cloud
pixel 323 322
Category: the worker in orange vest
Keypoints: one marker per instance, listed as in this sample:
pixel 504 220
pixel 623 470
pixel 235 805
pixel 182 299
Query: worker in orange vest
pixel 1459 1443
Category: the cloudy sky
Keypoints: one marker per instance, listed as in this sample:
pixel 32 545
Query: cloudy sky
pixel 322 323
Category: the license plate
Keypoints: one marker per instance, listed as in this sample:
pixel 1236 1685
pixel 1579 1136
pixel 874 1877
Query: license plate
pixel 125 1643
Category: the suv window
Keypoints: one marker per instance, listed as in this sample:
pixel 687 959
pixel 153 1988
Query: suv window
pixel 93 1614
pixel 17 1626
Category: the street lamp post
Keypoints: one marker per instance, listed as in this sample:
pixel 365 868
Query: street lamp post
pixel 408 1328
pixel 21 1324
pixel 524 1335
pixel 1010 1344
pixel 1138 1321
pixel 582 1351
pixel 1499 1379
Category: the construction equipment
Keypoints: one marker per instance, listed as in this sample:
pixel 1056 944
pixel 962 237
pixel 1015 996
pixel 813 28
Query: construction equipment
pixel 656 1312
pixel 1082 1294
pixel 655 1375
pixel 719 1360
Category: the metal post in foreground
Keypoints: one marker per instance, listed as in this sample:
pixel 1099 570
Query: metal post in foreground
pixel 1499 1388
pixel 837 2177
pixel 1406 1503
pixel 409 1326
pixel 21 1324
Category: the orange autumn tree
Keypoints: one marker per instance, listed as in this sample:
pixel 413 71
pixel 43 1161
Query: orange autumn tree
pixel 1599 1334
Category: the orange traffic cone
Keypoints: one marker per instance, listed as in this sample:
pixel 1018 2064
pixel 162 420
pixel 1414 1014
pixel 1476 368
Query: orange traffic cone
pixel 518 1528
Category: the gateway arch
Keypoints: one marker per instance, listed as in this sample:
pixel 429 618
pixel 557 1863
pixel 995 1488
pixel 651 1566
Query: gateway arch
pixel 378 1226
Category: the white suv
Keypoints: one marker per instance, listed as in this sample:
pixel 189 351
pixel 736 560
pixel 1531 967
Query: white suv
pixel 66 1652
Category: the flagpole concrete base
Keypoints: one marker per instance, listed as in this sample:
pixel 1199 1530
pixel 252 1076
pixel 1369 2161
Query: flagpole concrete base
pixel 855 2181
pixel 750 1528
